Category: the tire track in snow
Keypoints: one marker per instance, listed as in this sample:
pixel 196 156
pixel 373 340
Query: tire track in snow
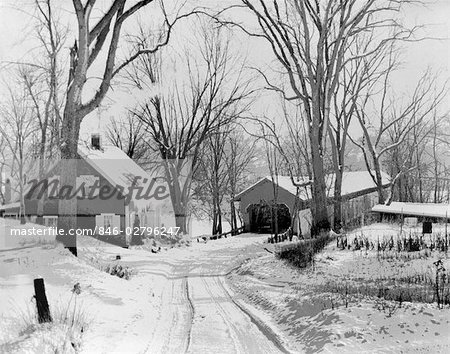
pixel 226 326
pixel 172 334
pixel 232 329
pixel 192 314
pixel 264 328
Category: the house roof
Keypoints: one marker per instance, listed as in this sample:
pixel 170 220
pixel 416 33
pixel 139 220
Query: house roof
pixel 416 209
pixel 118 169
pixel 352 182
pixel 113 164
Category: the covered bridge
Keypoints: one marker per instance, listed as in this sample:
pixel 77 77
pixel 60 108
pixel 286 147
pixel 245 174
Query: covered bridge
pixel 256 202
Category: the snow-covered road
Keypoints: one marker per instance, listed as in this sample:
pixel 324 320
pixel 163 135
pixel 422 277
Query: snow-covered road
pixel 221 323
pixel 199 313
pixel 199 316
pixel 177 301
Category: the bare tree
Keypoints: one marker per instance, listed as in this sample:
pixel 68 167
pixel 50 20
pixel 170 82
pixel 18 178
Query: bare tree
pixel 95 36
pixel 355 78
pixel 416 163
pixel 129 136
pixel 294 151
pixel 310 40
pixel 18 132
pixel 2 167
pixel 222 173
pixel 42 79
pixel 212 175
pixel 395 126
pixel 182 118
pixel 440 147
pixel 273 163
pixel 240 153
pixel 290 150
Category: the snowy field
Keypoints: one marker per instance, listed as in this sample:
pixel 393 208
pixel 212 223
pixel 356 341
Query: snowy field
pixel 334 307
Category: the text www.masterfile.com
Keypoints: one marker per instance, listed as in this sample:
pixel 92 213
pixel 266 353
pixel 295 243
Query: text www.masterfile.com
pixel 97 230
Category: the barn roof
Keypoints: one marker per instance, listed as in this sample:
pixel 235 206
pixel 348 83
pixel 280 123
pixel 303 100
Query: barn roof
pixel 352 182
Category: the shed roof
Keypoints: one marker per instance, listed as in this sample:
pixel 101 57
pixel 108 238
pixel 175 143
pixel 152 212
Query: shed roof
pixel 415 209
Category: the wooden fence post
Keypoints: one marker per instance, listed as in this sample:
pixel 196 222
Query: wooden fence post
pixel 41 301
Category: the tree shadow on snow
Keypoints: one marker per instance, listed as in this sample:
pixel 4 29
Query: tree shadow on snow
pixel 307 321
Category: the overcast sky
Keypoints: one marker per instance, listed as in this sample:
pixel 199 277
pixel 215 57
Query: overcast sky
pixel 15 42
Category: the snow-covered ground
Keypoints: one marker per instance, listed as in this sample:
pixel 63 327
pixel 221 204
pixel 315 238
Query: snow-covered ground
pixel 181 300
pixel 201 227
pixel 312 307
pixel 176 301
pixel 27 235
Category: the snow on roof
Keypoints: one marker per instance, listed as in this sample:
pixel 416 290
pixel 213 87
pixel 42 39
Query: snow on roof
pixel 352 182
pixel 120 170
pixel 10 206
pixel 285 182
pixel 417 209
pixel 115 165
pixel 356 181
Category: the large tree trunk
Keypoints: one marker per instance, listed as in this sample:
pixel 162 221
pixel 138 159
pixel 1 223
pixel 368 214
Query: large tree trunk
pixel 181 221
pixel 319 211
pixel 179 206
pixel 217 217
pixel 233 215
pixel 337 206
pixel 214 219
pixel 67 205
pixel 294 214
pixel 380 191
pixel 178 193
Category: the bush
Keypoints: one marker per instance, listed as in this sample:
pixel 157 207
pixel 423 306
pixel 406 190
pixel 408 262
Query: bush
pixel 136 239
pixel 302 255
pixel 117 240
pixel 118 270
pixel 423 287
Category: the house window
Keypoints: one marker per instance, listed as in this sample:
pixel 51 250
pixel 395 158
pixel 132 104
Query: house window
pixel 108 221
pixel 51 221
